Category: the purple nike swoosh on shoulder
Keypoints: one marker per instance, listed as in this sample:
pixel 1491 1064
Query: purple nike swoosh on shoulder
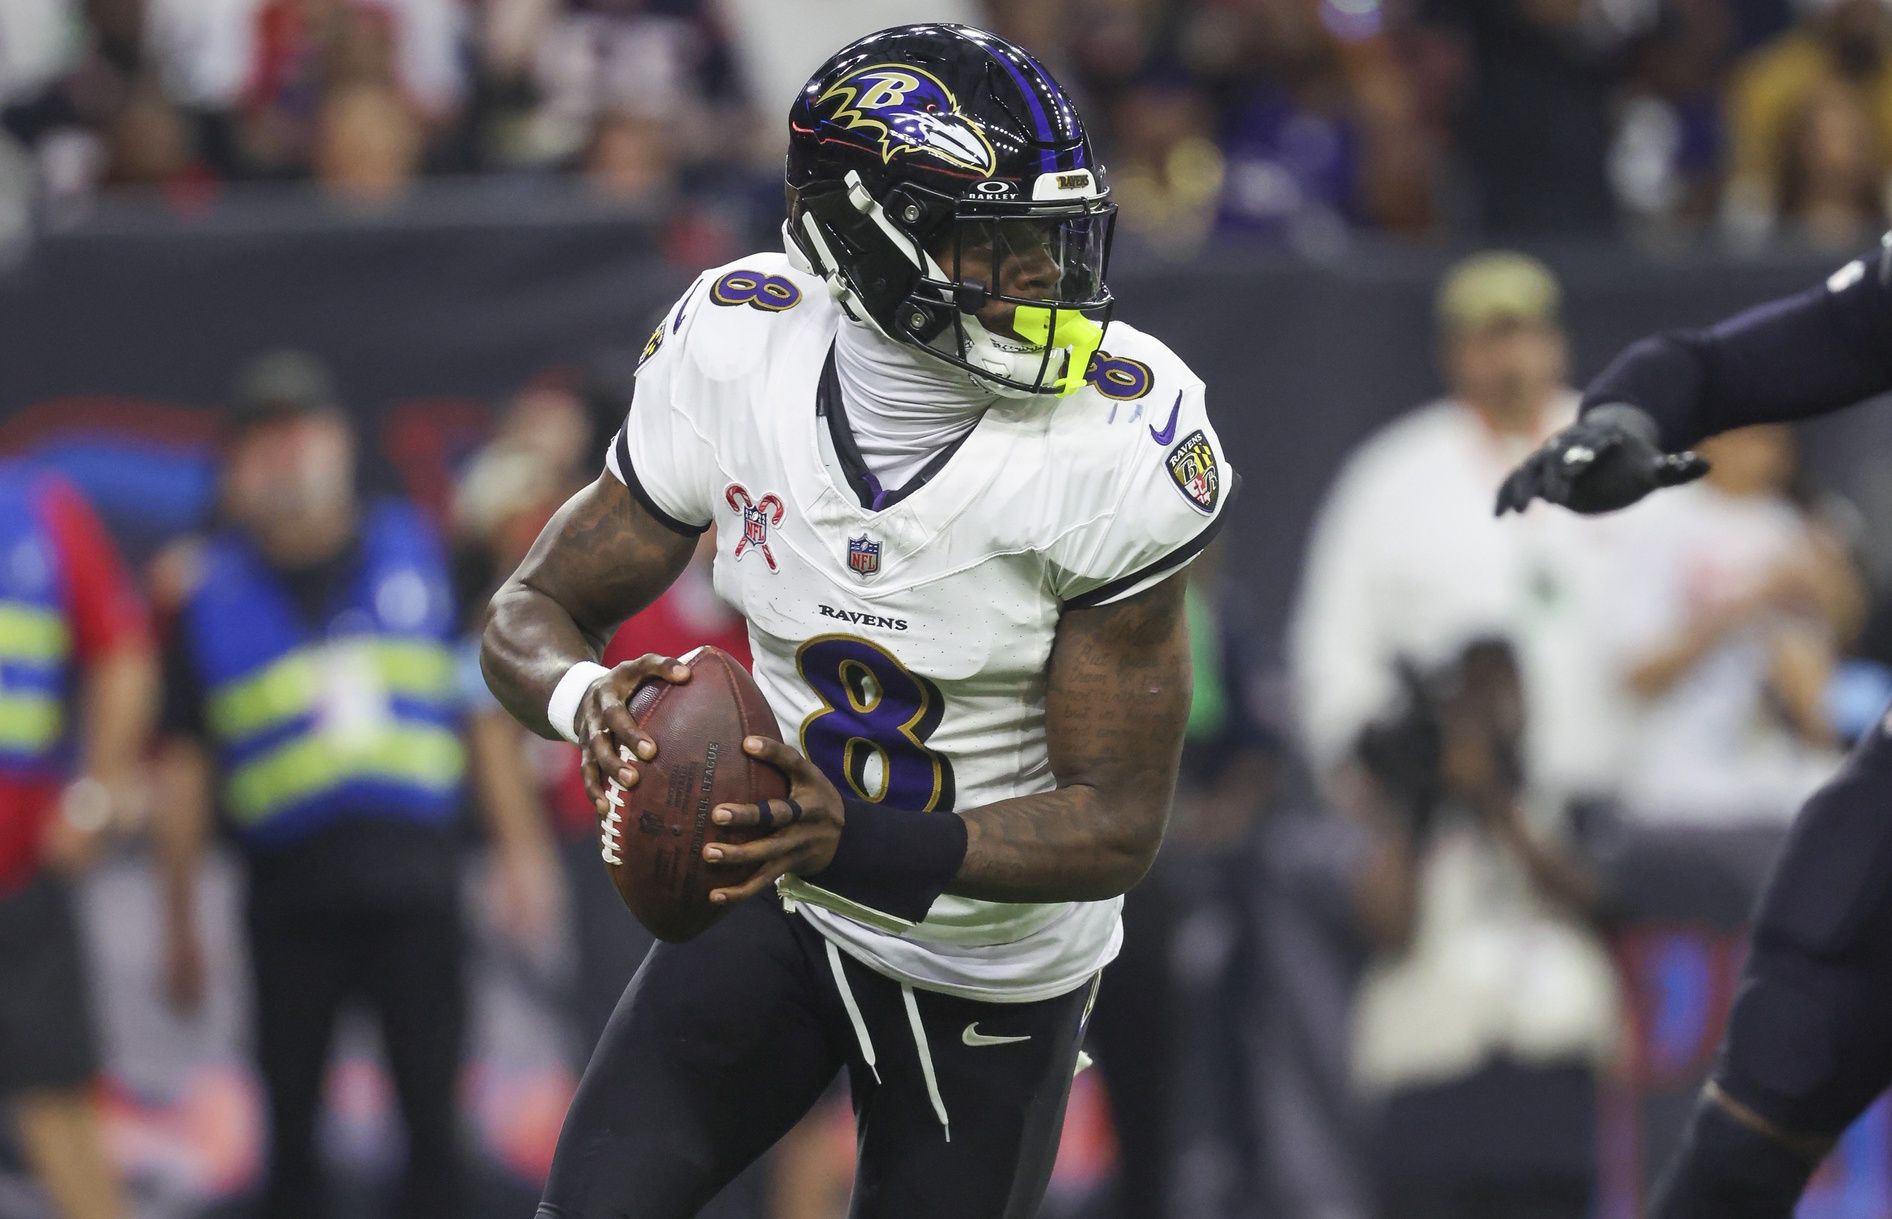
pixel 683 306
pixel 1169 429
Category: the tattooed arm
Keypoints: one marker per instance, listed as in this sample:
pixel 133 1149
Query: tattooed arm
pixel 601 558
pixel 1116 704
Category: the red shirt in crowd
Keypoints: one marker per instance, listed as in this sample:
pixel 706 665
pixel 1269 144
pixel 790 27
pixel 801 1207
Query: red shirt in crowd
pixel 104 612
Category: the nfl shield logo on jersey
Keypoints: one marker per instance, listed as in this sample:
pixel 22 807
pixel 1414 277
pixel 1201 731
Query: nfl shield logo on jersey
pixel 863 556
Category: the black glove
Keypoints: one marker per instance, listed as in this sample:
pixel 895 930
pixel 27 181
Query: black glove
pixel 1606 460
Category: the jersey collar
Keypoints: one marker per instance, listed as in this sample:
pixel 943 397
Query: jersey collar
pixel 830 405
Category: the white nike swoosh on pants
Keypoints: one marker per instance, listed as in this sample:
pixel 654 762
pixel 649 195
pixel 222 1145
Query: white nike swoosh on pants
pixel 973 1037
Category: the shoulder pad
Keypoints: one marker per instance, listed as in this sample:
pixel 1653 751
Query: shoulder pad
pixel 1131 366
pixel 732 310
pixel 1144 493
pixel 1154 450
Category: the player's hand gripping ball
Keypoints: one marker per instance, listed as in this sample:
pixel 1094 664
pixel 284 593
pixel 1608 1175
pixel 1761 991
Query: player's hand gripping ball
pixel 1606 460
pixel 663 749
pixel 799 834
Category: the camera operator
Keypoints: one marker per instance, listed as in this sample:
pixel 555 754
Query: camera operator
pixel 1490 1003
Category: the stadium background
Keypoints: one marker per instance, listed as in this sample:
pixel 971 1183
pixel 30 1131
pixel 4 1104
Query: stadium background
pixel 151 245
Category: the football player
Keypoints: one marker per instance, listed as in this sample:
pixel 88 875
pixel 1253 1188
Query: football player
pixel 953 498
pixel 1807 1045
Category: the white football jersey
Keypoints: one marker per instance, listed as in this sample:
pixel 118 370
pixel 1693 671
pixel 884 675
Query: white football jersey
pixel 904 649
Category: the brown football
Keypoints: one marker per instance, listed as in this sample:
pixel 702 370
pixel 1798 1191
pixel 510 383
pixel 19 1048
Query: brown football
pixel 653 845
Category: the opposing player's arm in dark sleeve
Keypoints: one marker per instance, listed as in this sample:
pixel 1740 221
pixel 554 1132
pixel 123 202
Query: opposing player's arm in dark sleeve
pixel 1806 355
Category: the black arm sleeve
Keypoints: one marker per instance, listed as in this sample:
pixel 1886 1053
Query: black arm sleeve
pixel 1789 359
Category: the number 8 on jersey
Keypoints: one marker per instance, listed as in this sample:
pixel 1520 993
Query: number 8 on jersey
pixel 869 735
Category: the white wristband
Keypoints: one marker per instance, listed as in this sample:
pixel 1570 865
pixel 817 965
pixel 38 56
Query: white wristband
pixel 562 711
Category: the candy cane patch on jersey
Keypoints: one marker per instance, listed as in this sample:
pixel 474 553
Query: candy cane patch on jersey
pixel 1193 467
pixel 757 516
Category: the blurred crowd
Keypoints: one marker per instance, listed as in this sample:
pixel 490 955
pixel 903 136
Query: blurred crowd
pixel 1525 720
pixel 1383 968
pixel 1295 122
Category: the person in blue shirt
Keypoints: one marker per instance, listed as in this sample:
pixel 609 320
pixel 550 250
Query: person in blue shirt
pixel 313 712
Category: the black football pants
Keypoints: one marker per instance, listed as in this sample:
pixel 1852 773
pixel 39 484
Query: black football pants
pixel 405 965
pixel 1809 1039
pixel 721 1044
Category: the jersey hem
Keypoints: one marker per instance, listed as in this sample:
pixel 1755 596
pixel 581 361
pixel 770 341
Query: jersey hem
pixel 1035 993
